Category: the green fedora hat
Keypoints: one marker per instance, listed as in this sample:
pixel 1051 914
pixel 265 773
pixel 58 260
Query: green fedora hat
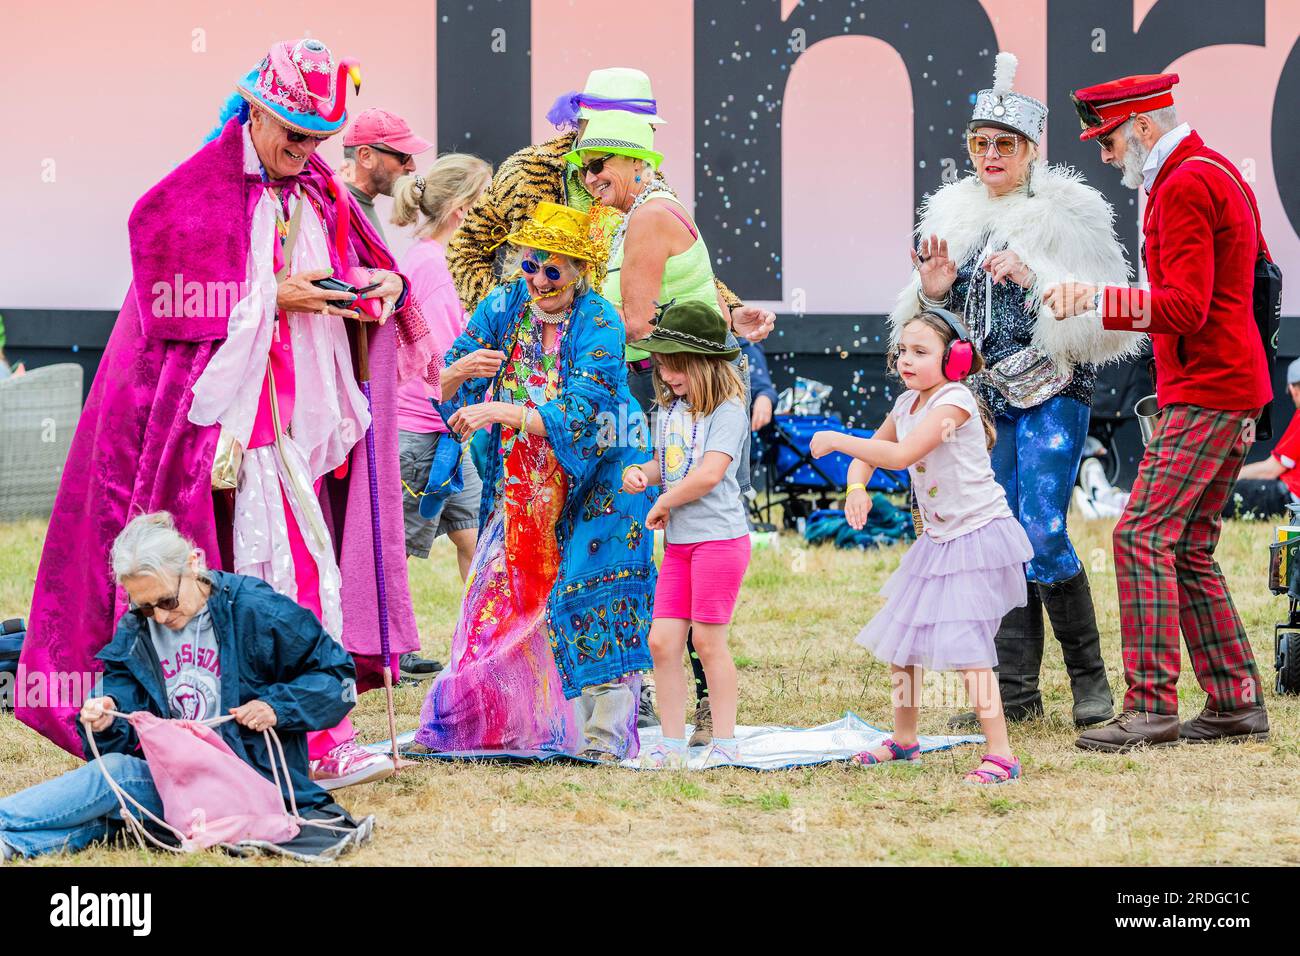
pixel 690 327
pixel 614 131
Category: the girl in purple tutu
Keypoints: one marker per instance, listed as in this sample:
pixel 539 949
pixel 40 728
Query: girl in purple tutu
pixel 966 570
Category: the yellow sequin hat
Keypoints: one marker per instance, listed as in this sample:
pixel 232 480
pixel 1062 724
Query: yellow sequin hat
pixel 559 229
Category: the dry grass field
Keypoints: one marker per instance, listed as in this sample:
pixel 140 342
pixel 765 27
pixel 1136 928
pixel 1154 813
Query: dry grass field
pixel 792 639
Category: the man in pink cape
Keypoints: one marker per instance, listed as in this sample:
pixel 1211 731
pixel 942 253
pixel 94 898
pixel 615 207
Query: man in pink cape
pixel 221 305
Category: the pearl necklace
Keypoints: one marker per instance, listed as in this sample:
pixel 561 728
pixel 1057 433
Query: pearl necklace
pixel 546 317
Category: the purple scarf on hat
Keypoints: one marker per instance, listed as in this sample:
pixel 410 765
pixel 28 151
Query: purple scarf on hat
pixel 564 111
pixel 135 449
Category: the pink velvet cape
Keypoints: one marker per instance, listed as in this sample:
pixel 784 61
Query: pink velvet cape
pixel 136 451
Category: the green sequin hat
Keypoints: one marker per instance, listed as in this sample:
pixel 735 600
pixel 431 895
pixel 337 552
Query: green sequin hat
pixel 690 327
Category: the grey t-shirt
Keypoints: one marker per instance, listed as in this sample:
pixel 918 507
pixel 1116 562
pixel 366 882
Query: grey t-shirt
pixel 191 668
pixel 720 514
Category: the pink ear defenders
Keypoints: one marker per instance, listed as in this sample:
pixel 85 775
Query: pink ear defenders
pixel 959 356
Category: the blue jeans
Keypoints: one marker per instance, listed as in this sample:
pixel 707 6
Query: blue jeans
pixel 1035 460
pixel 73 811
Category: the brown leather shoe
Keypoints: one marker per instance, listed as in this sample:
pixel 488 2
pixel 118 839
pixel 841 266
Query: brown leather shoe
pixel 1129 730
pixel 1249 723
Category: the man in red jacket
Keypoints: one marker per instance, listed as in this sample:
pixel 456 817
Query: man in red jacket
pixel 1212 379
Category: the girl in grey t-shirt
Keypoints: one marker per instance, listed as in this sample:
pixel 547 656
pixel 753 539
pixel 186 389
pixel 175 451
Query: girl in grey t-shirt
pixel 701 431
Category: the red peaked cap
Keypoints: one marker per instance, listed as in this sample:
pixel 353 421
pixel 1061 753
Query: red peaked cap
pixel 1104 107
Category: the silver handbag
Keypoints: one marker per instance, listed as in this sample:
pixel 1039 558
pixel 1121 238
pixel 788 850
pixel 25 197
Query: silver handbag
pixel 1028 378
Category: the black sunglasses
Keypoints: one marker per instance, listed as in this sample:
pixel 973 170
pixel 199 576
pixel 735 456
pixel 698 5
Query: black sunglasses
pixel 403 158
pixel 295 137
pixel 596 166
pixel 143 611
pixel 532 267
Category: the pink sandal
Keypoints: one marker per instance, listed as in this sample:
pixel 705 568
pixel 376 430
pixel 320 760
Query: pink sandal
pixel 1008 770
pixel 911 754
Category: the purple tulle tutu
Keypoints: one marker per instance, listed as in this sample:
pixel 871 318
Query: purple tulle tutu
pixel 944 603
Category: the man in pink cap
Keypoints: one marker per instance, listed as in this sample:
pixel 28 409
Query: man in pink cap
pixel 380 147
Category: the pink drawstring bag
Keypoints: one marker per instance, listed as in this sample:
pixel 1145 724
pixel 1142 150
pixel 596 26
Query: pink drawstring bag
pixel 209 795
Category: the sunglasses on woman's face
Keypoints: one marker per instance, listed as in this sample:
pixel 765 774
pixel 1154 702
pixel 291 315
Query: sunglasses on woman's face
pixel 296 137
pixel 532 267
pixel 1006 144
pixel 143 611
pixel 596 166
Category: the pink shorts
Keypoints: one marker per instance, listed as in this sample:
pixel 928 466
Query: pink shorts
pixel 700 582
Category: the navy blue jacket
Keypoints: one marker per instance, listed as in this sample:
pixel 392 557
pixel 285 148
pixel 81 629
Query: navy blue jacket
pixel 271 649
pixel 760 379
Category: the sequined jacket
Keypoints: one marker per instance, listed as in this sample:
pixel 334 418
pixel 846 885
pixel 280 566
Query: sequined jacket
pixel 532 175
pixel 600 609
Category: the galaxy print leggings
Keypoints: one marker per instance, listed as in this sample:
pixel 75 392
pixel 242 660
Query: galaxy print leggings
pixel 1036 460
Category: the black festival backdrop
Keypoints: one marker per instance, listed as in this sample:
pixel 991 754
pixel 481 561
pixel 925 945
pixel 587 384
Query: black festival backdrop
pixel 738 159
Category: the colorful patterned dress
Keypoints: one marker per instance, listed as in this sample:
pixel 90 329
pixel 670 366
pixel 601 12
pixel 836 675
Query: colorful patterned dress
pixel 517 674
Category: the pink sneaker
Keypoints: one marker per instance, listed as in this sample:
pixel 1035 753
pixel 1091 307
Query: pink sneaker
pixel 347 765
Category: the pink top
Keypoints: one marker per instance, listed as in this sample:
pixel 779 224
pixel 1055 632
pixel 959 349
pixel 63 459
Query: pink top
pixel 955 487
pixel 425 265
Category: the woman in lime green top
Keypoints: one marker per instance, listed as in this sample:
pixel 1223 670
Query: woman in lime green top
pixel 657 255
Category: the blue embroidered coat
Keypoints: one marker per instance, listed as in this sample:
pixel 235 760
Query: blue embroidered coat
pixel 600 609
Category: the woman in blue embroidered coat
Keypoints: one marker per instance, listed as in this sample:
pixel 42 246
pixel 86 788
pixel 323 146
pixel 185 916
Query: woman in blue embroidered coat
pixel 551 641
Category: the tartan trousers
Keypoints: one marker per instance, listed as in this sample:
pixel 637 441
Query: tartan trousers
pixel 1165 568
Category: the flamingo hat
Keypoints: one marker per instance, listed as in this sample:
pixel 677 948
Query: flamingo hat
pixel 302 87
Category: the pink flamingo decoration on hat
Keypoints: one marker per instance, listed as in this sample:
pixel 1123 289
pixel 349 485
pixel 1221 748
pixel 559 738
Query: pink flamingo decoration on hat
pixel 348 68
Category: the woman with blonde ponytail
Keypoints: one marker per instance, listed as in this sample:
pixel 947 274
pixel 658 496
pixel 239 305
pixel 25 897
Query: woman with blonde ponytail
pixel 435 203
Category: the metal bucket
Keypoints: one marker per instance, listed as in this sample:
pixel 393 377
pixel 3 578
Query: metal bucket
pixel 1147 411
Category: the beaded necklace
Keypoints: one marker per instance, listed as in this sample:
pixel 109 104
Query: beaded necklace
pixel 654 187
pixel 663 444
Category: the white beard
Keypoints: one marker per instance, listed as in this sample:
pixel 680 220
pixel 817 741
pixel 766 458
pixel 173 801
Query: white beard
pixel 1135 157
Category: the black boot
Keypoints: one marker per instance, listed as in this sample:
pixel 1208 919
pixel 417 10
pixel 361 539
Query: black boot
pixel 1074 622
pixel 1019 643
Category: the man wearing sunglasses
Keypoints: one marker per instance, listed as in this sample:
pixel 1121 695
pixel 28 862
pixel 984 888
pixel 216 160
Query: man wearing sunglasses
pixel 263 358
pixel 1201 242
pixel 379 147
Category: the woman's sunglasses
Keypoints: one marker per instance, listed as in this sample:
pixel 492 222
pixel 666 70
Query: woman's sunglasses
pixel 1006 143
pixel 596 166
pixel 143 611
pixel 532 267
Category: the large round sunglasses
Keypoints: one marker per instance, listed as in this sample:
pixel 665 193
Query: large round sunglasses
pixel 532 267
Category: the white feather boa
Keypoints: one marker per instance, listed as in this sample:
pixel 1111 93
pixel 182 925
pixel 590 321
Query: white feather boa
pixel 1064 231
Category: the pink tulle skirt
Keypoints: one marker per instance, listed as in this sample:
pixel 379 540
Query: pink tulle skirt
pixel 944 603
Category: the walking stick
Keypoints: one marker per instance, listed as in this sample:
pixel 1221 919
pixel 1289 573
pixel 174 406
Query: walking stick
pixel 381 589
pixel 342 216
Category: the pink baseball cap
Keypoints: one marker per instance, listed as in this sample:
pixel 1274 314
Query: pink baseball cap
pixel 376 127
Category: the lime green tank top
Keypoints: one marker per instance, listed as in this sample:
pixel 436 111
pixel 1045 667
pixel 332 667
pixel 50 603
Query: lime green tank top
pixel 688 277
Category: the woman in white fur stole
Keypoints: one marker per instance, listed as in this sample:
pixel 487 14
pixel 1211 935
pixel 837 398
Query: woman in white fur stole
pixel 988 245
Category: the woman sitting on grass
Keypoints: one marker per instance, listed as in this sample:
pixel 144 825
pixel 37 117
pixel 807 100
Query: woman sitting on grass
pixel 194 644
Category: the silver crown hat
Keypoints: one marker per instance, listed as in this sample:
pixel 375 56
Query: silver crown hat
pixel 1003 107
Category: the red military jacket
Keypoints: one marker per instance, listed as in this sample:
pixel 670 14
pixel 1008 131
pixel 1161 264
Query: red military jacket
pixel 1201 242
